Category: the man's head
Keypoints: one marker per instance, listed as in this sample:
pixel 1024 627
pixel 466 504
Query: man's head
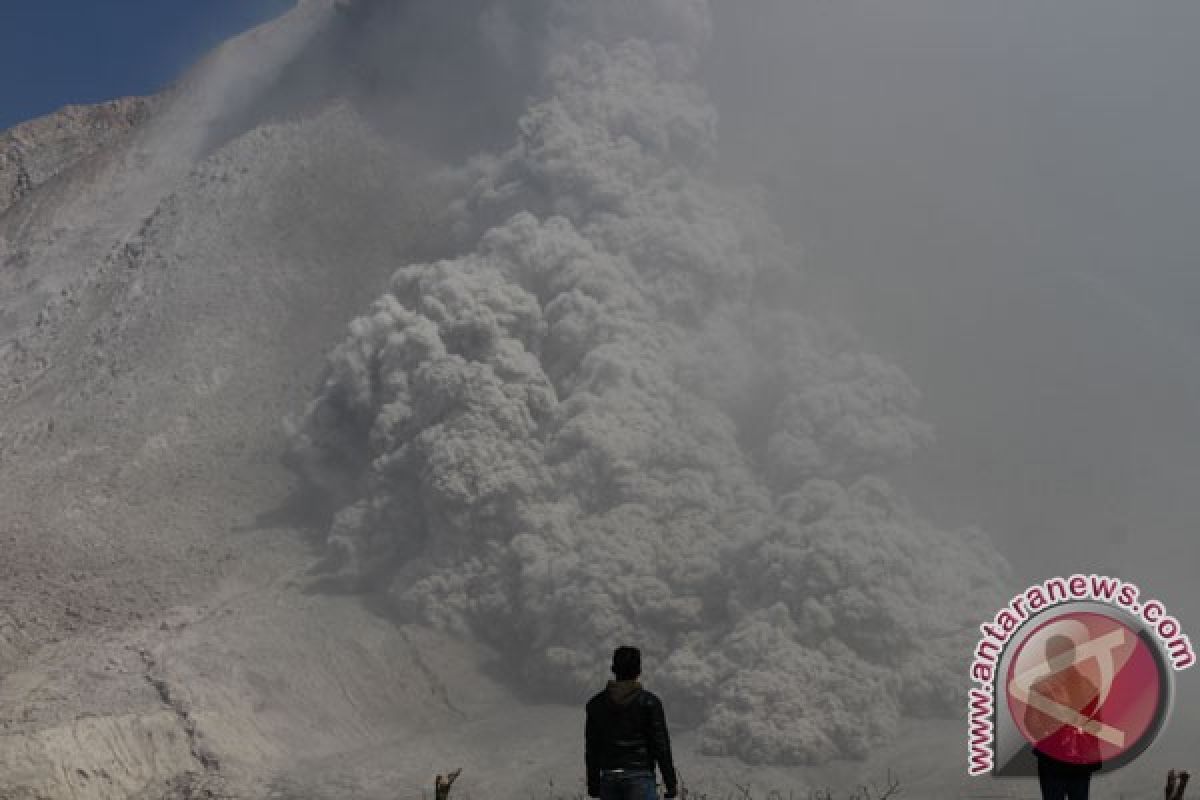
pixel 627 663
pixel 1061 647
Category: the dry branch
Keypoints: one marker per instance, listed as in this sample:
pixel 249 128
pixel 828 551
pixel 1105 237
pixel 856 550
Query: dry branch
pixel 1176 783
pixel 441 785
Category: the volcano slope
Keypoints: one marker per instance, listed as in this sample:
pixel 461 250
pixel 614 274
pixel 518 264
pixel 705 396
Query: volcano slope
pixel 575 403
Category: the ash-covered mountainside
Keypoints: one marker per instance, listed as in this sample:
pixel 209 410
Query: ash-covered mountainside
pixel 34 152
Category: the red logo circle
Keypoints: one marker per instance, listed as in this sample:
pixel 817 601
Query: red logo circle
pixel 1084 688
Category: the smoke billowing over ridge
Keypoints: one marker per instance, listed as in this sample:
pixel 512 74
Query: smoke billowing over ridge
pixel 604 424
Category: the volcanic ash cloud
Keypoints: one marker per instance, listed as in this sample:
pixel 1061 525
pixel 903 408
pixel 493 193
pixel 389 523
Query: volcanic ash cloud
pixel 602 426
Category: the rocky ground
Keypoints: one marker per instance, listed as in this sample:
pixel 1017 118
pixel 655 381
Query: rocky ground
pixel 162 308
pixel 37 151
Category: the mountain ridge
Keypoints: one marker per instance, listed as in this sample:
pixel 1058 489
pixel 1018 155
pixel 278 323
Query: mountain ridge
pixel 36 151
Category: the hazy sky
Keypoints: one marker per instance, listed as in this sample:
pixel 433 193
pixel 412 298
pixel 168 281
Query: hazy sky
pixel 1003 197
pixel 80 51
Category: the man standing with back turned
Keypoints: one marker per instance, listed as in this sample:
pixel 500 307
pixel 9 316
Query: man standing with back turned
pixel 1067 755
pixel 626 735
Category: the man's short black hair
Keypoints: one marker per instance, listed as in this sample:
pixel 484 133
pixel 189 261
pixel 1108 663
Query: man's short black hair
pixel 627 663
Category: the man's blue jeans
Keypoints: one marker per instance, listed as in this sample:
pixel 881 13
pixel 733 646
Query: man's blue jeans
pixel 630 784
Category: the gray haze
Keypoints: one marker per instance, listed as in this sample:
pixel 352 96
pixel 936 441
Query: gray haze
pixel 603 415
pixel 1003 197
pixel 994 199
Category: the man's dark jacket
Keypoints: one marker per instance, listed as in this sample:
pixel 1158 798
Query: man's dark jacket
pixel 627 728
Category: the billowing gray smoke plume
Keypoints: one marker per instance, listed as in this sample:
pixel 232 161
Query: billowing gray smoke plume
pixel 605 424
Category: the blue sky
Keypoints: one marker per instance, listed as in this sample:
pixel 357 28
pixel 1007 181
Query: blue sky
pixel 55 52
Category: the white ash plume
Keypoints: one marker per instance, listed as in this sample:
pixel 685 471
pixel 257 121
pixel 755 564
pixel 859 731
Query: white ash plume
pixel 599 427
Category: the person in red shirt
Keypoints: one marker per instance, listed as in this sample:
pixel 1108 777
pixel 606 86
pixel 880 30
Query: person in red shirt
pixel 1067 753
